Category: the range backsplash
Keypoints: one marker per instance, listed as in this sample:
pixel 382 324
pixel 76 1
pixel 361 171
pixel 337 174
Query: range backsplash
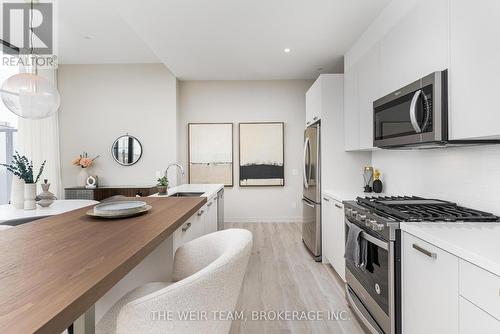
pixel 467 175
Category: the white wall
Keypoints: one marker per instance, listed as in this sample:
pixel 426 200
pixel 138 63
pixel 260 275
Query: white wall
pixel 469 175
pixel 102 102
pixel 240 101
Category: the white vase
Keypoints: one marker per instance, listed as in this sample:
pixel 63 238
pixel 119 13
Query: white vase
pixel 17 193
pixel 81 178
pixel 29 196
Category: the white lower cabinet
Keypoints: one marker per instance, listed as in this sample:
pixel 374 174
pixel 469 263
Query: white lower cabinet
pixel 193 228
pixel 333 233
pixel 211 218
pixel 442 293
pixel 429 288
pixel 473 320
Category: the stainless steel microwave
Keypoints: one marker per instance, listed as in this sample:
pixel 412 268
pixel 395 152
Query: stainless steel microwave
pixel 416 116
pixel 413 115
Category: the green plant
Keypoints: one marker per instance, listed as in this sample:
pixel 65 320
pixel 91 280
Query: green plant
pixel 163 181
pixel 23 168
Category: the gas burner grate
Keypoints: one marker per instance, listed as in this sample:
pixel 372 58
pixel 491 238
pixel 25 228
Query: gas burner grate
pixel 416 209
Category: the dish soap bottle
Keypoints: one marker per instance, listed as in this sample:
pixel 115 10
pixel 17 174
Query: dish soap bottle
pixel 377 184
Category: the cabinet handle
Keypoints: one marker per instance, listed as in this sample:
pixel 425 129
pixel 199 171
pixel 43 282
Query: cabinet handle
pixel 315 118
pixel 209 204
pixel 186 227
pixel 308 123
pixel 326 199
pixel 424 251
pixel 338 206
pixel 200 213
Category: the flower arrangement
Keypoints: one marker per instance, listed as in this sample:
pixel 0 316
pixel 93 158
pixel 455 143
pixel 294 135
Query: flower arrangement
pixel 84 161
pixel 22 167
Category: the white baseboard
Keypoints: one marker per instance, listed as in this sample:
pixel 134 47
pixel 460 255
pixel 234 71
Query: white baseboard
pixel 263 219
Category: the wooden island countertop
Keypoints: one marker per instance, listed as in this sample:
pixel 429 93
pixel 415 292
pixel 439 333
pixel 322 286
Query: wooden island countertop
pixel 54 269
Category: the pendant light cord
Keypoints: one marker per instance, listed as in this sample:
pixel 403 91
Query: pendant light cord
pixel 32 49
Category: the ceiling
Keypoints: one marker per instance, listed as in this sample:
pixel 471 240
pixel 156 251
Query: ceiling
pixel 216 39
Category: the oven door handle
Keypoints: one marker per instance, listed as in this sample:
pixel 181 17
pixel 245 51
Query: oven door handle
pixel 375 241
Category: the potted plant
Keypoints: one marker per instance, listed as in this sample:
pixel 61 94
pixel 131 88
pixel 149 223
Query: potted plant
pixel 83 161
pixel 162 185
pixel 23 169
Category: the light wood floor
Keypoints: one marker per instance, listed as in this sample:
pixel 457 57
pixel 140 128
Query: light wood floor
pixel 282 276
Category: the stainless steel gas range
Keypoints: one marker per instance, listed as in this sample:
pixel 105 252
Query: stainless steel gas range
pixel 373 288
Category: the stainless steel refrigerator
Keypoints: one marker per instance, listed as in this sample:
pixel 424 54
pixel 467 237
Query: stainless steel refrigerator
pixel 311 199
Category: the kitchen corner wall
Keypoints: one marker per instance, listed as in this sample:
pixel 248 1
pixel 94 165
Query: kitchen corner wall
pixel 243 101
pixel 102 102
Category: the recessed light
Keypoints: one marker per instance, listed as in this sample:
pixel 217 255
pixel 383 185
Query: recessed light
pixel 287 50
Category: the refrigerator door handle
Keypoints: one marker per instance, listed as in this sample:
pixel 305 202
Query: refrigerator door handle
pixel 308 204
pixel 306 147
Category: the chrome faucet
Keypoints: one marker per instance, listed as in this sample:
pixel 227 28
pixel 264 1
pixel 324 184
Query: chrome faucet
pixel 177 165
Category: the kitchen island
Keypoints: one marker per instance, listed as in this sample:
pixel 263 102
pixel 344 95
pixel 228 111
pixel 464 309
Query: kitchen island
pixel 55 269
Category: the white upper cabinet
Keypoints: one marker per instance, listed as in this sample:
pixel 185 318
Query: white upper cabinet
pixel 361 88
pixel 475 69
pixel 351 110
pixel 416 46
pixel 368 91
pixel 313 102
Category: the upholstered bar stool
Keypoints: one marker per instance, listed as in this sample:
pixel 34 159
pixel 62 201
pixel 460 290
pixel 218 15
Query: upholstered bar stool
pixel 207 277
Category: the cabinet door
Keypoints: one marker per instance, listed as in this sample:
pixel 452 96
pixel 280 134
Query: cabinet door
pixel 200 222
pixel 313 102
pixel 333 234
pixel 473 320
pixel 368 91
pixel 475 69
pixel 211 218
pixel 429 288
pixel 351 109
pixel 417 45
pixel 186 232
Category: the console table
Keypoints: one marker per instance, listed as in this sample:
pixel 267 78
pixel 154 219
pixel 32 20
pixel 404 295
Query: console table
pixel 100 193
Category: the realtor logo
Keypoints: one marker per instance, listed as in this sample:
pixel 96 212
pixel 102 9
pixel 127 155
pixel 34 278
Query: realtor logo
pixel 20 20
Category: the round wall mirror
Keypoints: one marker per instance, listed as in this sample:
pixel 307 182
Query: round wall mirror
pixel 126 150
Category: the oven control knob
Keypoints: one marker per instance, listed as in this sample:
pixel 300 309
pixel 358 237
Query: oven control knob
pixel 362 217
pixel 348 211
pixel 376 226
pixel 354 213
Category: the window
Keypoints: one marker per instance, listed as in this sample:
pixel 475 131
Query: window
pixel 8 129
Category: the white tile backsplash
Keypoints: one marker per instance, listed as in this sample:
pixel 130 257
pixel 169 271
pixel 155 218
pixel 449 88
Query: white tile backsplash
pixel 469 176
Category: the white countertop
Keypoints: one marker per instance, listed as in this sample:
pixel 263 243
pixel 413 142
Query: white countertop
pixel 478 243
pixel 208 190
pixel 341 196
pixel 8 212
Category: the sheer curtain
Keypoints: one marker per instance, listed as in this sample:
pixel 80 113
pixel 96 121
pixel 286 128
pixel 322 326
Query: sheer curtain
pixel 39 140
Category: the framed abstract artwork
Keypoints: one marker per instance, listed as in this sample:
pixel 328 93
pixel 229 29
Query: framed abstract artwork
pixel 262 154
pixel 210 153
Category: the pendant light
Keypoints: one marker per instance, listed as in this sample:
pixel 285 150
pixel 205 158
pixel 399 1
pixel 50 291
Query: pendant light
pixel 29 95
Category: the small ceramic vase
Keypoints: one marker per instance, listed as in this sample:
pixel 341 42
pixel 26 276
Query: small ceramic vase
pixel 377 186
pixel 29 196
pixel 81 178
pixel 46 198
pixel 17 193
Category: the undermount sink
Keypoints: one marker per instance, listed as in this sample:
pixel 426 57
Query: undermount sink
pixel 186 194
